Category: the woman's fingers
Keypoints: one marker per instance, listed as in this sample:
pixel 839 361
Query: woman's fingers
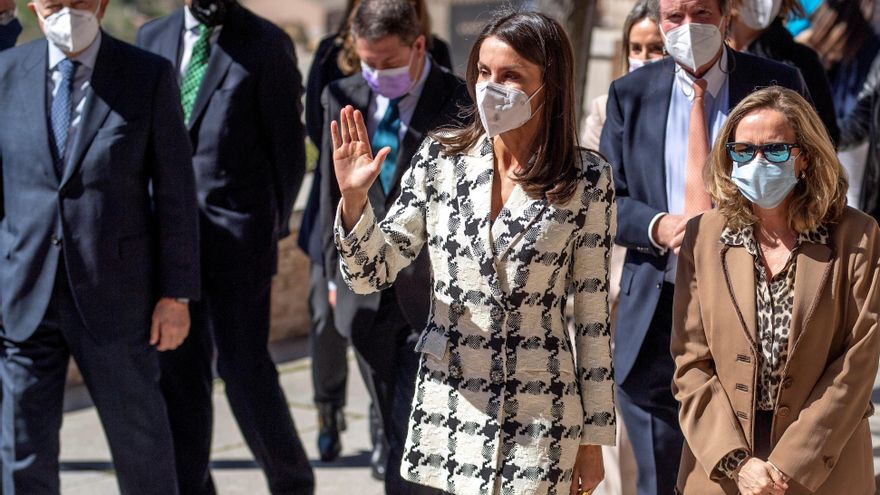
pixel 361 127
pixel 343 125
pixel 381 156
pixel 334 135
pixel 352 128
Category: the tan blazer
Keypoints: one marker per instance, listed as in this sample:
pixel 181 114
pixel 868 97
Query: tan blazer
pixel 820 432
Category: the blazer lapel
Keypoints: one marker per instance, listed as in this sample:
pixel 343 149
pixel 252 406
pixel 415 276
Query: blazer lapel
pixel 218 65
pixel 104 86
pixel 738 83
pixel 473 177
pixel 168 45
pixel 515 219
pixel 656 103
pixel 813 269
pixel 33 89
pixel 739 272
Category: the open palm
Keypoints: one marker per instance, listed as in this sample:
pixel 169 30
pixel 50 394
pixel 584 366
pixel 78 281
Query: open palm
pixel 353 160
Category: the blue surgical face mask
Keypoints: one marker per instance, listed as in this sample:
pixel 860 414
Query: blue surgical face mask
pixel 764 183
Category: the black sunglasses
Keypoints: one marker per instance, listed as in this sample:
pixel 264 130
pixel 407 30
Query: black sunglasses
pixel 773 152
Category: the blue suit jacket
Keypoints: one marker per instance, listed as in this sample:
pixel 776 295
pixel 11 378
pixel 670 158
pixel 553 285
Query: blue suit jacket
pixel 124 211
pixel 247 136
pixel 634 142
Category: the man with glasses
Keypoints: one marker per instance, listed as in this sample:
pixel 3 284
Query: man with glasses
pixel 671 110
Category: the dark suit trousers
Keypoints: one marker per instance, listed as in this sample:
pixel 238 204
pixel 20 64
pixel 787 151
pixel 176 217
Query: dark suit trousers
pixel 328 347
pixel 391 381
pixel 122 376
pixel 649 410
pixel 233 315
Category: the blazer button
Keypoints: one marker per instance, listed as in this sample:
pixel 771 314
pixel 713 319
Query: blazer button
pixel 783 412
pixel 55 240
pixel 62 192
pixel 829 462
pixel 659 286
pixel 787 383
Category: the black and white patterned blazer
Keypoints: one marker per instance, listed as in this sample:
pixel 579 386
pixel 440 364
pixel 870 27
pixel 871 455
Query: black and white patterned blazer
pixel 501 405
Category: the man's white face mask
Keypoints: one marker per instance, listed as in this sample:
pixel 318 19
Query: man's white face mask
pixel 71 30
pixel 693 45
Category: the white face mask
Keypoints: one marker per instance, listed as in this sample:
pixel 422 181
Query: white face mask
pixel 71 30
pixel 758 14
pixel 637 63
pixel 693 45
pixel 503 108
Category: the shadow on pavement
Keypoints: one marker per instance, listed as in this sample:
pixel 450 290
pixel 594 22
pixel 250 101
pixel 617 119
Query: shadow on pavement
pixel 358 460
pixel 76 396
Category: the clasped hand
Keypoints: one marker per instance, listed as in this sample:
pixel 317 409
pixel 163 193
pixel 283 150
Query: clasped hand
pixel 757 477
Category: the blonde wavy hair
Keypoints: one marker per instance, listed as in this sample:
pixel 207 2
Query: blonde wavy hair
pixel 820 194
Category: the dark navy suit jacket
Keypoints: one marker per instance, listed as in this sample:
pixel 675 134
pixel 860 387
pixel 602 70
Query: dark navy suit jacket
pixel 247 136
pixel 124 211
pixel 439 105
pixel 634 142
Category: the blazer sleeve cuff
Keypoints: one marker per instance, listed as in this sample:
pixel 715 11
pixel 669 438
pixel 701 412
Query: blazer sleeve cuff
pixel 599 435
pixel 348 242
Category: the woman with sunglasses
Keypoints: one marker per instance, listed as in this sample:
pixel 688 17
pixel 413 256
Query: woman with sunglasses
pixel 775 316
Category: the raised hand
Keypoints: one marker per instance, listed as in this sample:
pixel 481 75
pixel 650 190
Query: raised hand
pixel 353 161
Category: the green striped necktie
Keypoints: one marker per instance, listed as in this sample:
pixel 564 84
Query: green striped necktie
pixel 195 71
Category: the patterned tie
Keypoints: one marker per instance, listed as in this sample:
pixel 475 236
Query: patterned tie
pixel 388 134
pixel 195 71
pixel 61 110
pixel 696 199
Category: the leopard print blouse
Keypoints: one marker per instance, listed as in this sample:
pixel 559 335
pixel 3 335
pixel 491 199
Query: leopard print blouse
pixel 774 302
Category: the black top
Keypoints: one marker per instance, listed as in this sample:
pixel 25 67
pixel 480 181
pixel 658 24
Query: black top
pixel 776 43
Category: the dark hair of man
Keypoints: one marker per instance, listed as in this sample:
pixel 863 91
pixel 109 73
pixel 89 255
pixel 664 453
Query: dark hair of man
pixel 377 19
pixel 539 39
pixel 654 8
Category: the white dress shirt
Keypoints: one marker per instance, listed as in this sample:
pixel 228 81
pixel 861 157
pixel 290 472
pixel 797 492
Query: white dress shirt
pixel 81 83
pixel 678 121
pixel 190 36
pixel 406 106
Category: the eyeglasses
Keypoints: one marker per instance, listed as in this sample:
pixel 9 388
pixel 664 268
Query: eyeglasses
pixel 773 152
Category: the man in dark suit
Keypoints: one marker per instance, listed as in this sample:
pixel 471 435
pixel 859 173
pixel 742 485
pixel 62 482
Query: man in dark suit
pixel 400 110
pixel 240 90
pixel 660 121
pixel 99 245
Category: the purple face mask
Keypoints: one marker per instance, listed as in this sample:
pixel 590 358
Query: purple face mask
pixel 390 83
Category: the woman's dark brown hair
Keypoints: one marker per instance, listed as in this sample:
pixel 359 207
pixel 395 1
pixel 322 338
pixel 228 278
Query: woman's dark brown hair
pixel 540 40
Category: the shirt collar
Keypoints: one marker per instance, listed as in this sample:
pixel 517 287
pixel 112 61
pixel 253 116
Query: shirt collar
pixel 189 21
pixel 745 237
pixel 416 90
pixel 87 58
pixel 715 77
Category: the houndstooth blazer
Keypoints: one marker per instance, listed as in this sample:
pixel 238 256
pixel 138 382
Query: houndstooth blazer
pixel 501 406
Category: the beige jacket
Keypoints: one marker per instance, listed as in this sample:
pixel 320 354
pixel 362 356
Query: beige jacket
pixel 820 432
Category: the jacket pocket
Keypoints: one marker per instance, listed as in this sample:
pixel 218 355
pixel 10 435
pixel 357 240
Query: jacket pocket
pixel 433 342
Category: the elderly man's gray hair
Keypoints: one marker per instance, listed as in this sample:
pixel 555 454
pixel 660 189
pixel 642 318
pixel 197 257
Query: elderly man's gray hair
pixel 654 8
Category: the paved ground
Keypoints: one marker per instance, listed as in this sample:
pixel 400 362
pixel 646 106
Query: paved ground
pixel 86 466
pixel 85 460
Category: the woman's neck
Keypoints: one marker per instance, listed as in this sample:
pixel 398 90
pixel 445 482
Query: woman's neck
pixel 773 224
pixel 741 36
pixel 513 149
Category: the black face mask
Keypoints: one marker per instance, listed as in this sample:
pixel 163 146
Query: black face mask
pixel 210 12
